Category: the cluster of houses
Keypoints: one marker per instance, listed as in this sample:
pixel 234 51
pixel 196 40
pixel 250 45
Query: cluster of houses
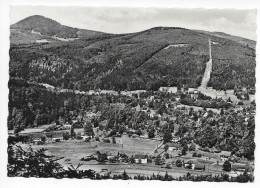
pixel 41 134
pixel 236 168
pixel 101 157
pixel 244 94
pixel 193 92
pixel 192 164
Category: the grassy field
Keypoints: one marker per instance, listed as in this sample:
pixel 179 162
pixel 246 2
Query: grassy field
pixel 79 148
pixel 74 150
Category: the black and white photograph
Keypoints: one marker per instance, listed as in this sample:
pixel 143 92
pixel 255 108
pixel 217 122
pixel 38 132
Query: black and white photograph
pixel 131 93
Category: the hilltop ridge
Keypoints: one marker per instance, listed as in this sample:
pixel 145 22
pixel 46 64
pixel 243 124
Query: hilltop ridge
pixel 48 27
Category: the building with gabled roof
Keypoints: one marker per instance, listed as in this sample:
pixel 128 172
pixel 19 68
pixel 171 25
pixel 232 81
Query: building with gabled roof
pixel 174 146
pixel 224 155
pixel 198 166
pixel 141 158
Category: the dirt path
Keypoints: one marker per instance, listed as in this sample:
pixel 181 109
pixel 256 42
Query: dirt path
pixel 208 70
pixel 212 92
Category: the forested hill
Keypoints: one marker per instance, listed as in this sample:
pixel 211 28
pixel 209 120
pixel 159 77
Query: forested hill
pixel 41 27
pixel 45 51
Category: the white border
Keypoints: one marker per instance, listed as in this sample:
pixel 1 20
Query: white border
pixel 238 4
pixel 4 46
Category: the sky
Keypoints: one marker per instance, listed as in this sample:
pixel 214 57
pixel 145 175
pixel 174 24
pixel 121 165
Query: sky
pixel 126 20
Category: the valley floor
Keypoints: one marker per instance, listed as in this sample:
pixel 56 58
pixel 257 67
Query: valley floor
pixel 74 150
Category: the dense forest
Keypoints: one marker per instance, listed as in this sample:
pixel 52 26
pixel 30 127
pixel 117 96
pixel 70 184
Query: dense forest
pixel 233 66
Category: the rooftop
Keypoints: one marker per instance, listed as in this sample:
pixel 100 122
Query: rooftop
pixel 174 145
pixel 140 156
pixel 225 153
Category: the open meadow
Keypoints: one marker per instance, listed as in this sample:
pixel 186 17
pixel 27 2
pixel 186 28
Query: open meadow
pixel 74 150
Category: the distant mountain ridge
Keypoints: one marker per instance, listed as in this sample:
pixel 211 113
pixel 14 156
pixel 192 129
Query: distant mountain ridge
pixel 48 27
pixel 241 40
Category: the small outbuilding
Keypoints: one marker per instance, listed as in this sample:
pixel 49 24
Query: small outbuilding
pixel 198 166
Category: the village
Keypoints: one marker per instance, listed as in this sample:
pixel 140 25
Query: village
pixel 172 130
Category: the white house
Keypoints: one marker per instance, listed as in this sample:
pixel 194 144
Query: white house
pixel 189 164
pixel 57 139
pixel 194 94
pixel 140 158
pixel 224 155
pixel 168 89
pixel 85 138
pixel 37 140
pixel 175 139
pixel 173 146
pixel 67 126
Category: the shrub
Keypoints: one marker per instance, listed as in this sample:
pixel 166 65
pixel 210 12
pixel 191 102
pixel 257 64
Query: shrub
pixel 227 166
pixel 66 136
pixel 178 163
